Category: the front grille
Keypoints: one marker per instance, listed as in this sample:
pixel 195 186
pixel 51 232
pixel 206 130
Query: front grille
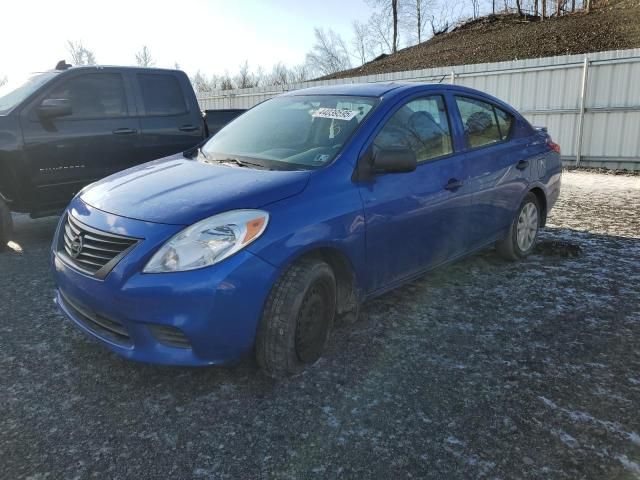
pixel 170 336
pixel 93 251
pixel 102 326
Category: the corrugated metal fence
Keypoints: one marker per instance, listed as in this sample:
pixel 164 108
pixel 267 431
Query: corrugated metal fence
pixel 590 104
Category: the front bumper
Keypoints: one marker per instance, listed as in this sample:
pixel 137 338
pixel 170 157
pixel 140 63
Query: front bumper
pixel 214 311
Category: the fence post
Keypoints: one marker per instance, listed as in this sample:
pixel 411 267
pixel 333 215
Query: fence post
pixel 583 99
pixel 453 77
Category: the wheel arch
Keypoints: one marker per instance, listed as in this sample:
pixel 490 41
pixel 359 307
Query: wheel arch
pixel 542 201
pixel 347 283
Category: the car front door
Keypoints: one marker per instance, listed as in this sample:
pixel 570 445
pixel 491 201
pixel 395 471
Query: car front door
pixel 497 166
pixel 97 138
pixel 414 220
pixel 171 121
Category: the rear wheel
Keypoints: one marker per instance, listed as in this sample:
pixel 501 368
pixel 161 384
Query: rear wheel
pixel 6 225
pixel 523 233
pixel 297 318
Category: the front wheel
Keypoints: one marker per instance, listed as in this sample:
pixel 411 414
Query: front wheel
pixel 297 318
pixel 6 225
pixel 523 233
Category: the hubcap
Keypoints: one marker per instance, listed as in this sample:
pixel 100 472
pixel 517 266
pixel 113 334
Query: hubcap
pixel 527 227
pixel 313 323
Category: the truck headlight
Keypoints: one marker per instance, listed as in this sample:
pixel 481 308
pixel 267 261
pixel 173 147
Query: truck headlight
pixel 209 241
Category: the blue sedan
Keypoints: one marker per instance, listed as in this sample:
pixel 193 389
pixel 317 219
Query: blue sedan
pixel 293 215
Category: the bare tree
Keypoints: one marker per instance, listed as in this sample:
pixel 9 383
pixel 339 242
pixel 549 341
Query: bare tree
pixel 225 82
pixel 414 18
pixel 279 74
pixel 329 53
pixel 144 58
pixel 475 4
pixel 80 55
pixel 299 73
pixel 362 49
pixel 203 84
pixel 384 24
pixel 519 7
pixel 244 78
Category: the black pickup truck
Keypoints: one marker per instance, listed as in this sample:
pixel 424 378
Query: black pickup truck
pixel 69 127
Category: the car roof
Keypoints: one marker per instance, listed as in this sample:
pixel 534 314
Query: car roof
pixel 355 89
pixel 394 89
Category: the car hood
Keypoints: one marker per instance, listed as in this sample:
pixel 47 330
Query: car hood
pixel 181 191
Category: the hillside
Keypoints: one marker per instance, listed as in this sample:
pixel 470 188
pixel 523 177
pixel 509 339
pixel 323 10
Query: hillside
pixel 498 38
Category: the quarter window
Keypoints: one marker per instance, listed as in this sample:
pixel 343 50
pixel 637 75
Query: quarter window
pixel 505 121
pixel 420 125
pixel 161 94
pixel 483 123
pixel 95 95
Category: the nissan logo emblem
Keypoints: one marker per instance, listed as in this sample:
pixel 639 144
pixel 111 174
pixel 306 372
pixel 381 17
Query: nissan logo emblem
pixel 76 246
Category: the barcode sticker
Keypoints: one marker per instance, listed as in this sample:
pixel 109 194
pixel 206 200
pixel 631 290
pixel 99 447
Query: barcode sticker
pixel 335 113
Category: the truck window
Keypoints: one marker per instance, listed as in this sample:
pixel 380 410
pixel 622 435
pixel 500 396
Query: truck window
pixel 95 95
pixel 161 94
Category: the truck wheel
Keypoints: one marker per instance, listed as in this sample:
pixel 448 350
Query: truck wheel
pixel 297 318
pixel 521 238
pixel 6 225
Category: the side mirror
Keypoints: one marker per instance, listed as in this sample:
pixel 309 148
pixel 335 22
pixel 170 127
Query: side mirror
pixel 394 160
pixel 54 107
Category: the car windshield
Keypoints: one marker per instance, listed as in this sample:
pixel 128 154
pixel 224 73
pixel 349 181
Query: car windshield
pixel 291 132
pixel 12 95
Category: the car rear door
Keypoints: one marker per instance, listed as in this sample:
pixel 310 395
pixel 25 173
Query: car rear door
pixel 98 138
pixel 414 220
pixel 496 163
pixel 170 118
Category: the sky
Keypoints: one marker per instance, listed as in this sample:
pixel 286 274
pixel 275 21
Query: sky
pixel 212 36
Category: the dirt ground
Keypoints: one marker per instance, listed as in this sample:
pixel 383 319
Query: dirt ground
pixel 483 369
pixel 612 25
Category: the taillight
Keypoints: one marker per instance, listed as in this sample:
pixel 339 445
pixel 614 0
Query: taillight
pixel 553 146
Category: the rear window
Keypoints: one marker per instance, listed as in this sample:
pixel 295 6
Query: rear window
pixel 161 94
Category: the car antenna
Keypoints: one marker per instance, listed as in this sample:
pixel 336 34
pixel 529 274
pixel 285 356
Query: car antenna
pixel 443 77
pixel 62 65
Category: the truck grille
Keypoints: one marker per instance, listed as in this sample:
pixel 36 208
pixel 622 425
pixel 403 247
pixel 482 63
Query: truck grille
pixel 105 327
pixel 92 251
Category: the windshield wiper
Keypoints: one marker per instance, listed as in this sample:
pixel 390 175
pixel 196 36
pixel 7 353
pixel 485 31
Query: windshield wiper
pixel 236 161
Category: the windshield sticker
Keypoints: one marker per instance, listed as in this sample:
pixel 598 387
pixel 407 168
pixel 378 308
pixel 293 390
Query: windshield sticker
pixel 335 113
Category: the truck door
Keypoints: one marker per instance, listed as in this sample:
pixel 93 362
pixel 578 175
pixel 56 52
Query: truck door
pixel 97 138
pixel 170 118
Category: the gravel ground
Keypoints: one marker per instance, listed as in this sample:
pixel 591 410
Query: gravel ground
pixel 483 369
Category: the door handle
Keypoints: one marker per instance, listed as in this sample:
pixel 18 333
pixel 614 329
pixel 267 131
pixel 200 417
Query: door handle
pixel 522 164
pixel 124 131
pixel 453 184
pixel 188 128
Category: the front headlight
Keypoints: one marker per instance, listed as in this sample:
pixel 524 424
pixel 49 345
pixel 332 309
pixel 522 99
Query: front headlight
pixel 209 241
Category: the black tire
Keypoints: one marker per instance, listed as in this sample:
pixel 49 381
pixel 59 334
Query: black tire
pixel 508 247
pixel 297 318
pixel 6 225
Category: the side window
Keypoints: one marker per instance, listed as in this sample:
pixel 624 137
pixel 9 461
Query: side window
pixel 161 94
pixel 480 122
pixel 505 121
pixel 95 95
pixel 421 125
